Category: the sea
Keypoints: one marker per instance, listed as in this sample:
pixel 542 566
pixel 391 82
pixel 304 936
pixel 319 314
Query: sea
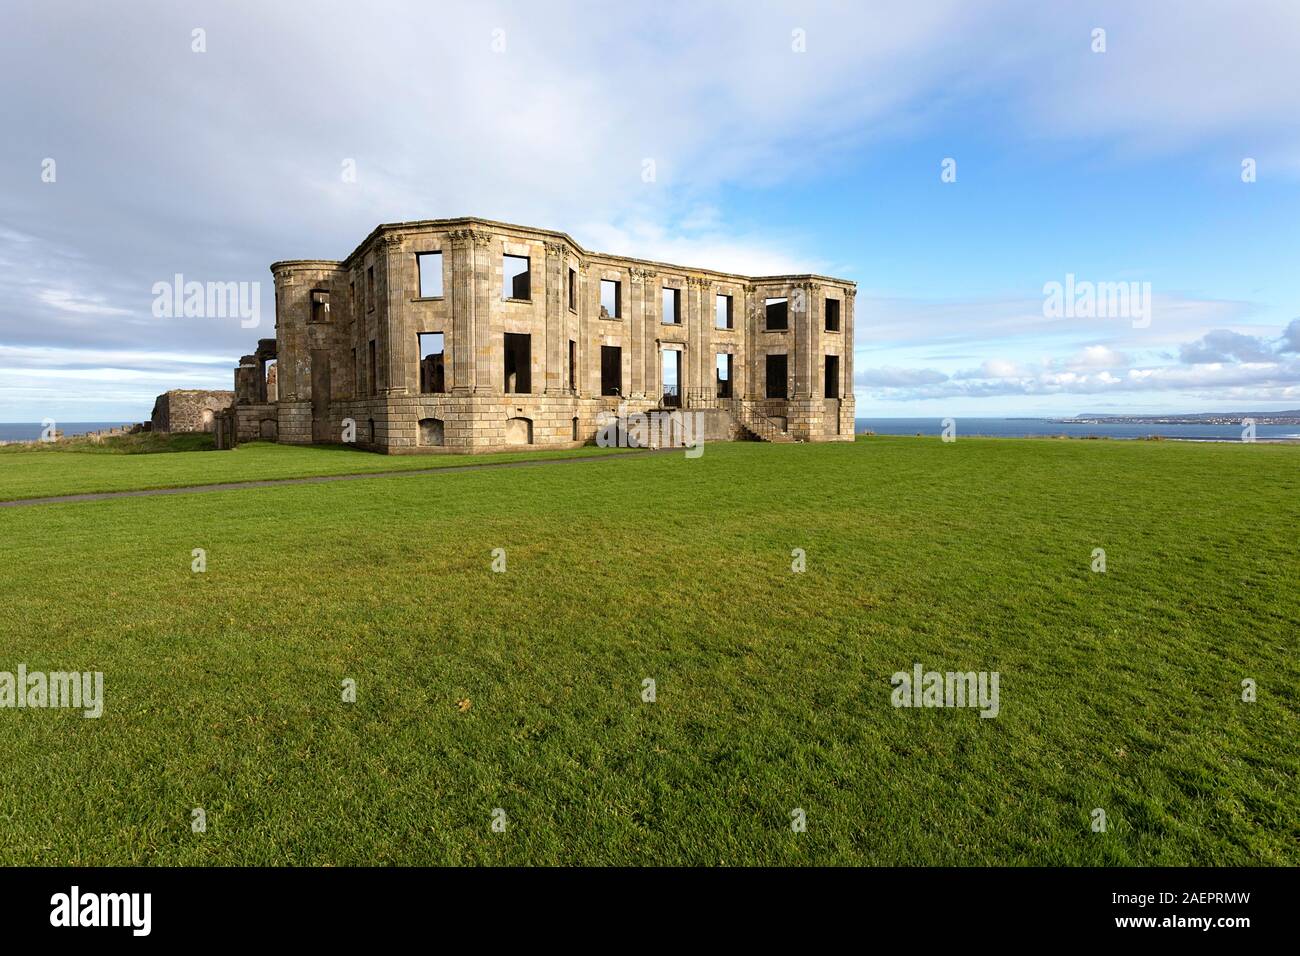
pixel 989 427
pixel 30 431
pixel 1032 427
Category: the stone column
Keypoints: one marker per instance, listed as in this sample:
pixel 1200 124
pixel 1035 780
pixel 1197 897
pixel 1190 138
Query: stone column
pixel 483 289
pixel 651 297
pixel 701 337
pixel 462 311
pixel 637 292
pixel 802 340
pixel 391 335
pixel 850 295
pixel 556 309
pixel 816 339
pixel 585 360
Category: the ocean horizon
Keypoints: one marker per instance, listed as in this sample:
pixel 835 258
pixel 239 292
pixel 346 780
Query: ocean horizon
pixel 970 427
pixel 1050 427
pixel 31 431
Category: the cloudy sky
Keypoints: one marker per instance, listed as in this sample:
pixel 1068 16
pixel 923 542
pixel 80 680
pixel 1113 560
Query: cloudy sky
pixel 784 137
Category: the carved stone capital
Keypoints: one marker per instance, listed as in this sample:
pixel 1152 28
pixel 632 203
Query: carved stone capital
pixel 638 272
pixel 850 293
pixel 476 236
pixel 698 282
pixel 557 249
pixel 388 242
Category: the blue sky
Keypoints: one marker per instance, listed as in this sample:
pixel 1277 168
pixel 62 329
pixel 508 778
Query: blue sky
pixel 784 137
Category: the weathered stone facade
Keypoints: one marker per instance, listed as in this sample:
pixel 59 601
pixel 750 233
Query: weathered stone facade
pixel 189 410
pixel 508 344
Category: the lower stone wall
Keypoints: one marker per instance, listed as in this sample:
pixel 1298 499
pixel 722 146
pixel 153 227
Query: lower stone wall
pixel 294 422
pixel 848 421
pixel 452 424
pixel 257 422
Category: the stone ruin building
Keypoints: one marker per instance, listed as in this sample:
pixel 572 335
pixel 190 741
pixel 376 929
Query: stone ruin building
pixel 188 410
pixel 471 335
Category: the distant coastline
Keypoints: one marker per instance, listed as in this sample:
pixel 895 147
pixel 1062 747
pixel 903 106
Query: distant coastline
pixel 1290 418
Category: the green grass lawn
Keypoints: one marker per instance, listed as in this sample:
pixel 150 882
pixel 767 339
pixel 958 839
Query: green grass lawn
pixel 1119 691
pixel 31 471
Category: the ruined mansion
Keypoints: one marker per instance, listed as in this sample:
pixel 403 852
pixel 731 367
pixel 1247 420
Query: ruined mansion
pixel 472 335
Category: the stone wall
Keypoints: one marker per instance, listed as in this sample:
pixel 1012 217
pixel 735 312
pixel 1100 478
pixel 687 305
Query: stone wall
pixel 188 410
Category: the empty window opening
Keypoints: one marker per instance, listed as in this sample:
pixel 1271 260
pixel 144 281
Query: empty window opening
pixel 518 363
pixel 832 315
pixel 573 290
pixel 517 282
pixel 575 427
pixel 429 266
pixel 722 311
pixel 832 373
pixel 573 365
pixel 672 306
pixel 724 374
pixel 611 299
pixel 373 381
pixel 611 370
pixel 433 380
pixel 370 288
pixel 270 381
pixel 671 364
pixel 356 375
pixel 320 307
pixel 776 373
pixel 778 314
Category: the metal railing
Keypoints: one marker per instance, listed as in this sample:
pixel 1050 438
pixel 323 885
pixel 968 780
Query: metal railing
pixel 756 420
pixel 670 398
pixel 701 398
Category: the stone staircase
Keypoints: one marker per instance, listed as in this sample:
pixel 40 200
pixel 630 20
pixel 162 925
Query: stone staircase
pixel 751 419
pixel 746 414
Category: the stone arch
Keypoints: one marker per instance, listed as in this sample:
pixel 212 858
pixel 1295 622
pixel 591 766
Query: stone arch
pixel 208 420
pixel 519 431
pixel 269 429
pixel 431 431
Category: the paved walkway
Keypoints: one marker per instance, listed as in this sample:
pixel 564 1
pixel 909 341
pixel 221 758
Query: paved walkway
pixel 317 479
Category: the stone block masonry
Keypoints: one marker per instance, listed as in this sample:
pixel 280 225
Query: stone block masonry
pixel 189 410
pixel 468 335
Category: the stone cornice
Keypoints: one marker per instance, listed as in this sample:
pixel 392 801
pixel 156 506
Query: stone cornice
pixel 475 227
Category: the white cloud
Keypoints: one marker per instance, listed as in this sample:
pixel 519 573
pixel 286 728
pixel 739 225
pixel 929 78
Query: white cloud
pixel 68 301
